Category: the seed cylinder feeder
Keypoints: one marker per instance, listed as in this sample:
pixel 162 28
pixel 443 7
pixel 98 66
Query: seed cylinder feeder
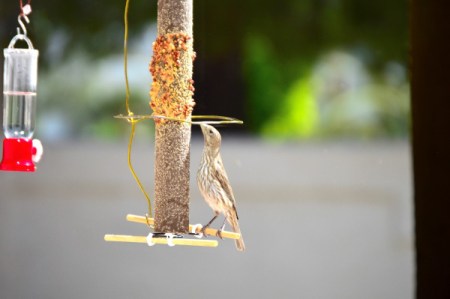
pixel 20 151
pixel 172 102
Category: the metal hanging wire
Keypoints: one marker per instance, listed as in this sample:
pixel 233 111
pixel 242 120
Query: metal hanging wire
pixel 22 19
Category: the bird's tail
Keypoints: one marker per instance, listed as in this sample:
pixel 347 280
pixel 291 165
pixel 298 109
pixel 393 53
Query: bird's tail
pixel 232 219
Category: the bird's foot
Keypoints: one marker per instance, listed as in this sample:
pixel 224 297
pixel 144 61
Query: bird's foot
pixel 203 231
pixel 219 231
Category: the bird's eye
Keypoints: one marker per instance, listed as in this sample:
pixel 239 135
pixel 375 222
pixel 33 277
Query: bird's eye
pixel 211 132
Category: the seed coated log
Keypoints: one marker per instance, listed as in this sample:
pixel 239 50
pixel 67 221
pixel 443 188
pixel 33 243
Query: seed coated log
pixel 172 139
pixel 172 177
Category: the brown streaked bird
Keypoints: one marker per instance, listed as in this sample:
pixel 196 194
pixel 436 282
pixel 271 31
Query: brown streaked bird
pixel 214 185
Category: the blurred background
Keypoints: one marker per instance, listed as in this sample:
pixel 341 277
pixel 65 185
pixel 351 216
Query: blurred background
pixel 321 168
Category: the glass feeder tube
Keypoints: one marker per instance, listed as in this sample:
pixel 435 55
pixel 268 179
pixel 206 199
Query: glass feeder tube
pixel 20 151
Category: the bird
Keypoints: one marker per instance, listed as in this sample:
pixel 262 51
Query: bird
pixel 214 185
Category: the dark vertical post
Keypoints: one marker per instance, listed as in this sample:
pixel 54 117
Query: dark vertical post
pixel 430 94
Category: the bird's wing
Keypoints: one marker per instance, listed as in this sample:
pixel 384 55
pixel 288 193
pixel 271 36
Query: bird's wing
pixel 222 177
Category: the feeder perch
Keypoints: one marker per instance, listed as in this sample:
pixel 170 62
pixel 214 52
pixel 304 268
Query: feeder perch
pixel 170 239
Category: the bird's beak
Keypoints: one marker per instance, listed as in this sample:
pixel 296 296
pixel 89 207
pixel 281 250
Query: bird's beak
pixel 203 127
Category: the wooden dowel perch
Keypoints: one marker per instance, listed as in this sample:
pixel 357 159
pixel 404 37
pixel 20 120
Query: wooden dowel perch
pixel 208 231
pixel 159 240
pixel 172 241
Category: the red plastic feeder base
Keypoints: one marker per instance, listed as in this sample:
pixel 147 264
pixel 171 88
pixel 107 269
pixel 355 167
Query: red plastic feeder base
pixel 17 155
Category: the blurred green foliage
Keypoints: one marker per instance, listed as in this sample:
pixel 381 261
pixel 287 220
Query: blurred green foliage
pixel 280 44
pixel 298 116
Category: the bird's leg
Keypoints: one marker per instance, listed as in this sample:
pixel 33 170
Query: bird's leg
pixel 209 223
pixel 219 232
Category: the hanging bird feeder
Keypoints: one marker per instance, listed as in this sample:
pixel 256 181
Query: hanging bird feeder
pixel 20 151
pixel 172 103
